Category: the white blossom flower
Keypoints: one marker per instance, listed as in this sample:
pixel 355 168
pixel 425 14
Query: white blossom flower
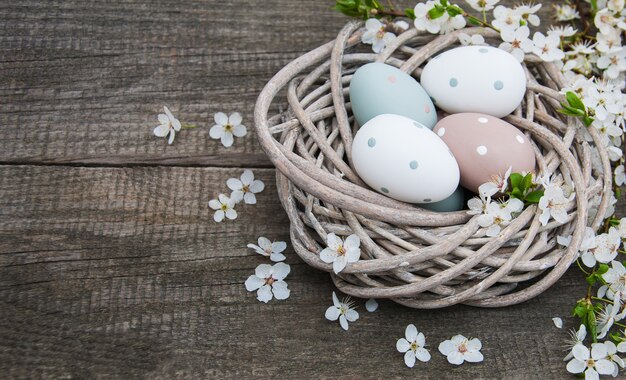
pixel 413 346
pixel 224 206
pixel 498 215
pixel 478 206
pixel 613 63
pixel 245 188
pixel 612 356
pixel 527 13
pixel 226 127
pixel 505 18
pixel 575 338
pixel 615 278
pixel 566 12
pixel 609 315
pixel 473 40
pixel 621 228
pixel 592 363
pixel 615 154
pixel 344 311
pixel 609 42
pixel 371 305
pixel 558 322
pixel 607 245
pixel 268 249
pixel 460 349
pixel 554 203
pixel 547 47
pixel 498 184
pixel 168 124
pixel 605 21
pixel 376 35
pixel 340 253
pixel 267 280
pixel 516 41
pixel 482 5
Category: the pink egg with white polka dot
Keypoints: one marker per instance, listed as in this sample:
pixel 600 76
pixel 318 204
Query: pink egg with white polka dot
pixel 485 146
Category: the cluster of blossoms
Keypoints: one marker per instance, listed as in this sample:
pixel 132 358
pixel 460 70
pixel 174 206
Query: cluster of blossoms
pixel 598 359
pixel 243 189
pixel 457 350
pixel 224 129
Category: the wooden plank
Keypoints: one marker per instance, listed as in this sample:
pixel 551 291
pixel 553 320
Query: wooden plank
pixel 82 83
pixel 121 272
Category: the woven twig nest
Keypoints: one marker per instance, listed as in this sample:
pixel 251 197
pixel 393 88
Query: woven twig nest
pixel 416 257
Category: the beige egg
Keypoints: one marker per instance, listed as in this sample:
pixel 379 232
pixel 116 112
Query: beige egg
pixel 485 146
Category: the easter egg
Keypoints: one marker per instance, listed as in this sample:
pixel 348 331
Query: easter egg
pixel 479 79
pixel 454 202
pixel 485 146
pixel 377 88
pixel 404 160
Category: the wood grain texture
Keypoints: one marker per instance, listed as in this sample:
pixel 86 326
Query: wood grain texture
pixel 120 272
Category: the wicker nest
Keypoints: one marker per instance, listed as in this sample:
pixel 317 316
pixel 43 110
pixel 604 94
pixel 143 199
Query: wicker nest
pixel 416 257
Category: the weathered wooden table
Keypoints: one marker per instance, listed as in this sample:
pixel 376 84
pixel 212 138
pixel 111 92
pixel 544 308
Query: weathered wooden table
pixel 110 262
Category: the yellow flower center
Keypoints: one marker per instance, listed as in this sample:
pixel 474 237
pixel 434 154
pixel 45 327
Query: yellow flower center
pixel 224 207
pixel 228 128
pixel 590 363
pixel 245 189
pixel 341 250
pixel 270 280
pixel 463 348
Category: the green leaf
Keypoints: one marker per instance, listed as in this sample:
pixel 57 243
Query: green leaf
pixel 592 279
pixel 568 112
pixel 587 120
pixel 436 12
pixel 527 183
pixel 534 196
pixel 516 180
pixel 454 10
pixel 575 101
pixel 410 13
pixel 581 309
pixel 591 325
pixel 444 2
pixel 573 110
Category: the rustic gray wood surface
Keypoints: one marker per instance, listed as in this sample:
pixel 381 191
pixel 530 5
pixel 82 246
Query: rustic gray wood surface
pixel 110 263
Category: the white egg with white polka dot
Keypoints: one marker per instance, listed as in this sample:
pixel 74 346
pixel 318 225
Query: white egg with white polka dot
pixel 479 79
pixel 404 160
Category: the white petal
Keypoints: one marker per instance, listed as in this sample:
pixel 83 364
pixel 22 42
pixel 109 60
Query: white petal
pixel 176 124
pixel 236 196
pixel 604 367
pixel 249 199
pixel 216 132
pixel 234 184
pixel 473 356
pixel 264 243
pixel 215 204
pixel 221 118
pixel 231 214
pixel 234 118
pixel 218 216
pixel 335 300
pixel 276 257
pixel 558 322
pixel 263 271
pixel 352 315
pixel 422 354
pixel 576 366
pixel 371 305
pixel 581 352
pixel 343 322
pixel 474 344
pixel 588 259
pixel 227 139
pixel 281 292
pixel 456 358
pixel 332 313
pixel 161 130
pixel 172 135
pixel 352 241
pixel 163 119
pixel 403 345
pixel 247 177
pixel 333 241
pixel 373 24
pixel 411 333
pixel 264 294
pixel 621 347
pixel 280 271
pixel 253 283
pixel 279 246
pixel 328 255
pixel 421 340
pixel 256 248
pixel 353 254
pixel 240 130
pixel 598 351
pixel 409 358
pixel 446 347
pixel 339 264
pixel 257 186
